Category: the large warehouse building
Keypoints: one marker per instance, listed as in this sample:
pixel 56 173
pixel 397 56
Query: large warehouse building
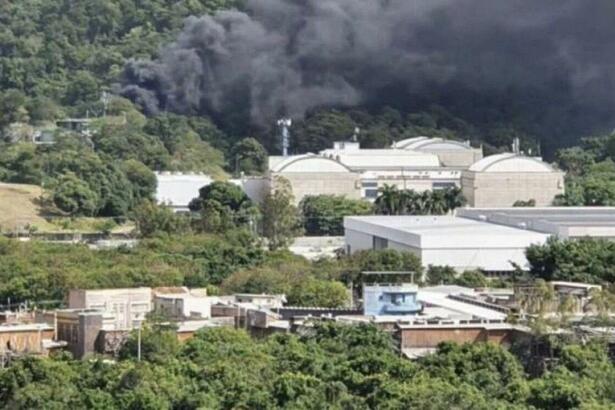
pixel 491 239
pixel 563 222
pixel 314 174
pixel 461 243
pixel 501 180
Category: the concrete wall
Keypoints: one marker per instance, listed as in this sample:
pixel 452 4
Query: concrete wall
pixel 126 305
pixel 473 258
pixel 357 241
pixel 24 341
pixel 80 330
pixel 432 336
pixel 503 189
pixel 317 183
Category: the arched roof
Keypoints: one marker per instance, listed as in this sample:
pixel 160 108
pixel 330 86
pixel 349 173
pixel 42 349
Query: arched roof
pixel 510 162
pixel 432 144
pixel 309 163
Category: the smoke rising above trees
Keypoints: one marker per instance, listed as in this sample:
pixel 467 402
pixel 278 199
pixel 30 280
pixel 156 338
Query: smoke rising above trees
pixel 548 64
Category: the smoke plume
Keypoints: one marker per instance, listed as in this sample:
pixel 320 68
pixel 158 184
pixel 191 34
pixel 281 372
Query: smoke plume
pixel 551 62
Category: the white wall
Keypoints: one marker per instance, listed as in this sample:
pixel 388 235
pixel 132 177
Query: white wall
pixel 474 258
pixel 358 241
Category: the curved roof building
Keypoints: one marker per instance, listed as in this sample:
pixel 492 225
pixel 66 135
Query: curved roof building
pixel 451 153
pixel 501 180
pixel 311 174
pixel 510 162
pixel 306 163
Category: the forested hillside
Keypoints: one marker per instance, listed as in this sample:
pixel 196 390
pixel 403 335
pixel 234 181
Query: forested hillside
pixel 333 366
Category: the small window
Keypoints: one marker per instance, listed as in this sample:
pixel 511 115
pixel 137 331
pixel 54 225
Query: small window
pixel 443 185
pixel 371 193
pixel 369 184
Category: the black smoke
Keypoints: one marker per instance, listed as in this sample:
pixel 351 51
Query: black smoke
pixel 547 64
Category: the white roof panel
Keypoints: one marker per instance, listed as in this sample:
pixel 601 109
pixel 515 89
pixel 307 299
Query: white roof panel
pixel 441 232
pixel 510 162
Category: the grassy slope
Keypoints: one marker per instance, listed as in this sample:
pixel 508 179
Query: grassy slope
pixel 20 207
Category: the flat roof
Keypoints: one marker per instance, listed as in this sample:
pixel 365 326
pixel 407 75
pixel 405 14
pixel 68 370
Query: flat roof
pixel 443 301
pixel 563 221
pixel 24 327
pixel 443 232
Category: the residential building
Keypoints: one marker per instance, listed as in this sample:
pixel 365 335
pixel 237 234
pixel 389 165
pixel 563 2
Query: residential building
pixel 127 307
pixel 26 338
pixel 179 304
pixel 501 180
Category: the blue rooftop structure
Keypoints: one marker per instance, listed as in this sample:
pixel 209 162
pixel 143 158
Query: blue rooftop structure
pixel 390 299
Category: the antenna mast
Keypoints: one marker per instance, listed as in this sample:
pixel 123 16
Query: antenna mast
pixel 285 123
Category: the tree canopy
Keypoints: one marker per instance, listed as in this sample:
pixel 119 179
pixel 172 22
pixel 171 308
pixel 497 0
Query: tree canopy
pixel 333 366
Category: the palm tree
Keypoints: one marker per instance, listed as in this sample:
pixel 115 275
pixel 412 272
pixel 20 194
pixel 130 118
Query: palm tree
pixel 439 204
pixel 389 201
pixel 454 198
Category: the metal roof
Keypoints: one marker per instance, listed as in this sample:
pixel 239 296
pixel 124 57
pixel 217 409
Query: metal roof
pixel 510 162
pixel 562 221
pixel 443 232
pixel 431 144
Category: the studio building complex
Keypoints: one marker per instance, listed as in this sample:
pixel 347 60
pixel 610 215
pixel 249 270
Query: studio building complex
pixel 419 164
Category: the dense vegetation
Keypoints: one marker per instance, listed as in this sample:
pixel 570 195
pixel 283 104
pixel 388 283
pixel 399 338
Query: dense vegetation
pixel 235 262
pixel 334 366
pixel 583 260
pixel 323 215
pixel 393 201
pixel 590 171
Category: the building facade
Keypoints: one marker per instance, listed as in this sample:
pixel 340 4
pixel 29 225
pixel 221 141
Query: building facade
pixel 463 244
pixel 501 180
pixel 128 307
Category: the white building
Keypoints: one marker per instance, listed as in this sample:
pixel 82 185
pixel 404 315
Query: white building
pixel 124 307
pixel 563 222
pixel 461 243
pixel 177 189
pixel 183 303
pixel 403 168
pixel 501 180
pixel 450 153
pixel 311 174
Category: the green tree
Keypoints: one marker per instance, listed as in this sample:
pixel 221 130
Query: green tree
pixel 142 179
pixel 158 343
pixel 584 260
pixel 280 218
pixel 73 196
pixel 323 215
pixel 224 205
pixel 248 156
pixel 152 219
pixel 575 161
pixel 439 275
pixel 472 279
